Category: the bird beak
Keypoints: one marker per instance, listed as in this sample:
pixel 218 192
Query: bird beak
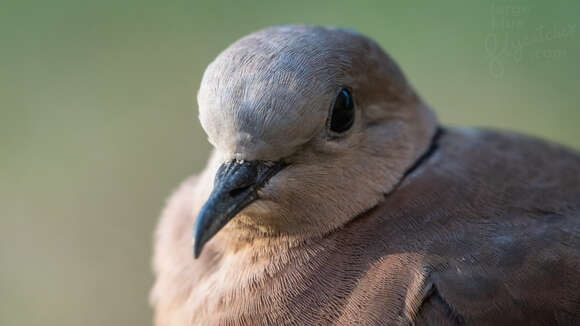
pixel 236 186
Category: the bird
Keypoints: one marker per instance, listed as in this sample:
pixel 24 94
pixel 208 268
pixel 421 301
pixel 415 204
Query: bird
pixel 334 196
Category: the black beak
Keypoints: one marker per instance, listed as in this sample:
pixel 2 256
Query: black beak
pixel 236 186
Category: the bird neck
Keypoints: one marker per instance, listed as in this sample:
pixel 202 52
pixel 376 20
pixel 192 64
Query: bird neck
pixel 251 241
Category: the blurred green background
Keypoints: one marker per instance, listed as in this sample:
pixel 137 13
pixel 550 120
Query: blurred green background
pixel 98 119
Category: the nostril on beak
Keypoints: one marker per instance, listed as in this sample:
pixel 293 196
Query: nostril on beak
pixel 235 187
pixel 239 190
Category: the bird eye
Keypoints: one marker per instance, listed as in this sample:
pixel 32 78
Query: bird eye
pixel 342 114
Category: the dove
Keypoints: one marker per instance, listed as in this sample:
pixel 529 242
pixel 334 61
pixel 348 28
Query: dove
pixel 333 196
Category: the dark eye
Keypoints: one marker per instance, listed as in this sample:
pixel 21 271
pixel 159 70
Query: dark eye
pixel 342 114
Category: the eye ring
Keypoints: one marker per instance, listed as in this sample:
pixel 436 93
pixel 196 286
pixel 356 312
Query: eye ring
pixel 342 113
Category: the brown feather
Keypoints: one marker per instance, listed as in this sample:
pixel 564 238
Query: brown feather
pixel 486 230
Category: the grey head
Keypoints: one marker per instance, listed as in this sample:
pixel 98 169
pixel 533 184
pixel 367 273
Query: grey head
pixel 312 126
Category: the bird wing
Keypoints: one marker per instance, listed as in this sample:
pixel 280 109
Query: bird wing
pixel 529 275
pixel 436 311
pixel 511 253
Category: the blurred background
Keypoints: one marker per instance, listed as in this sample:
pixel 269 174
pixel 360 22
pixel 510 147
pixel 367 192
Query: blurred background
pixel 98 119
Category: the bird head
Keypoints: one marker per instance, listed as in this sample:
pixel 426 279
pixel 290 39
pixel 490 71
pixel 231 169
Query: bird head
pixel 312 126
